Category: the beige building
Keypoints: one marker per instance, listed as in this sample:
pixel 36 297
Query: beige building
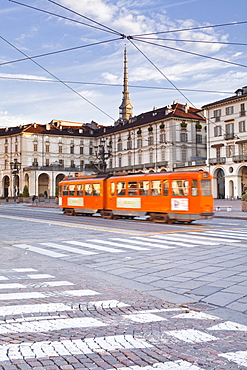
pixel 227 144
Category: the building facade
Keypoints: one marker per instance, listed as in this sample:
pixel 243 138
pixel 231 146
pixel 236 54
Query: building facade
pixel 227 144
pixel 39 156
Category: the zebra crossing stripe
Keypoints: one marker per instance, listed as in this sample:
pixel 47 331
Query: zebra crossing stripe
pixel 27 269
pixel 198 239
pixel 139 242
pixel 119 245
pixel 49 325
pixel 154 244
pixel 12 286
pixel 214 237
pixel 240 357
pixel 104 304
pixel 2 278
pixel 97 247
pixel 218 233
pixel 68 249
pixel 33 308
pixel 40 276
pixel 39 250
pixel 170 241
pixel 15 296
pixel 168 365
pixel 229 325
pixel 191 335
pixel 70 347
pixel 80 292
pixel 144 317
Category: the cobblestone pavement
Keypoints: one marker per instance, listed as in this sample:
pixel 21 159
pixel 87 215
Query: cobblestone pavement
pixel 55 317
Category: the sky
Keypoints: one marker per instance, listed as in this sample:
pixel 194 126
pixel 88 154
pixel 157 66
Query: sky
pixel 85 83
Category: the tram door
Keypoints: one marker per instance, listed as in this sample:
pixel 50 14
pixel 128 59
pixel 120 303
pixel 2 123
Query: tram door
pixel 220 184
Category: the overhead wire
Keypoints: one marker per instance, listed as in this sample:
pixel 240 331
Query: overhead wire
pixel 51 74
pixel 114 85
pixel 63 17
pixel 83 16
pixel 191 53
pixel 154 65
pixel 194 41
pixel 58 51
pixel 193 28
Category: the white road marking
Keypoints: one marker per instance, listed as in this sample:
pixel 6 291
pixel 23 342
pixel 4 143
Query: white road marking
pixel 40 276
pixel 155 244
pixel 2 278
pixel 149 244
pixel 191 336
pixel 196 316
pixel 214 237
pixel 24 270
pixel 97 247
pixel 50 325
pixel 33 308
pixel 198 239
pixel 119 245
pixel 15 296
pixel 171 241
pixel 168 365
pixel 240 357
pixel 144 317
pixel 178 237
pixel 39 250
pixel 45 349
pixel 80 292
pixel 229 325
pixel 68 249
pixel 226 234
pixel 55 283
pixel 105 304
pixel 12 286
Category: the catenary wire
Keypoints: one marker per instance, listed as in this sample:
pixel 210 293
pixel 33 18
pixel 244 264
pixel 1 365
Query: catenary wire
pixel 51 74
pixel 193 28
pixel 191 53
pixel 66 18
pixel 59 51
pixel 195 41
pixel 83 16
pixel 145 56
pixel 113 85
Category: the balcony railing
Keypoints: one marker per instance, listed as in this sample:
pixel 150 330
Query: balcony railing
pixel 229 136
pixel 220 160
pixel 242 113
pixel 59 168
pixel 240 158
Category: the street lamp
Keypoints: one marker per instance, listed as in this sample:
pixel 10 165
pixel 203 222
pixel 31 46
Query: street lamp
pixel 15 167
pixel 102 153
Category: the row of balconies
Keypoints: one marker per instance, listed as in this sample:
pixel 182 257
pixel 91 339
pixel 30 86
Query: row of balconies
pixel 222 160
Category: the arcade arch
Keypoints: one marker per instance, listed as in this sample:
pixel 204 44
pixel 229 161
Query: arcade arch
pixel 43 184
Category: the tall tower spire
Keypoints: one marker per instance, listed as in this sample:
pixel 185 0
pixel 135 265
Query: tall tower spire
pixel 125 109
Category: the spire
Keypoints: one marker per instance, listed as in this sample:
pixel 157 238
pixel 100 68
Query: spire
pixel 125 109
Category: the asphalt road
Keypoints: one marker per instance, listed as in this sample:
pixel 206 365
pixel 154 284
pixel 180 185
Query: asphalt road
pixel 85 292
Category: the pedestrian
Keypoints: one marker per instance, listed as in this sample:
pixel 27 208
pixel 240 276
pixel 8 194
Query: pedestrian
pixel 34 200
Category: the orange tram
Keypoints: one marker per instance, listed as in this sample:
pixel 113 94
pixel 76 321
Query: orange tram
pixel 164 197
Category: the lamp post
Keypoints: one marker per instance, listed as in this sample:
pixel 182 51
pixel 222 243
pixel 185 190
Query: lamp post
pixel 15 167
pixel 102 153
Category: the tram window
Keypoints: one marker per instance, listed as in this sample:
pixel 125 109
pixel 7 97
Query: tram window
pixel 112 189
pixel 144 186
pixel 206 187
pixel 65 190
pixel 156 187
pixel 165 187
pixel 194 187
pixel 71 190
pixel 60 190
pixel 88 189
pixel 96 190
pixel 132 188
pixel 80 190
pixel 180 188
pixel 121 188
